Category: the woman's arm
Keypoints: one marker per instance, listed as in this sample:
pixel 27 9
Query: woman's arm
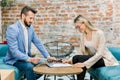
pixel 100 49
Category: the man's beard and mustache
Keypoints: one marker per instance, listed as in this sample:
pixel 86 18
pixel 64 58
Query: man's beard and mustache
pixel 26 24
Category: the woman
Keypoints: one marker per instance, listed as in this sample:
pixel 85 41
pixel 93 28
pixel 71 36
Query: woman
pixel 92 52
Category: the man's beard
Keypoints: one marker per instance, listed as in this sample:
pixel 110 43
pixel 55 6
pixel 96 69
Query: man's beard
pixel 26 24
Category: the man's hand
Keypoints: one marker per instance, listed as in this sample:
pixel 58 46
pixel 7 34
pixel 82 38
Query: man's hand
pixel 51 58
pixel 79 65
pixel 34 60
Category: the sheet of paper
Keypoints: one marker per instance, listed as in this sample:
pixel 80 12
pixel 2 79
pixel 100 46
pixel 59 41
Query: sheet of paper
pixel 59 64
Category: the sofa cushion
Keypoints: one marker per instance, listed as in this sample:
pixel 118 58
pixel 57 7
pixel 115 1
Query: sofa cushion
pixel 109 72
pixel 114 78
pixel 115 51
pixel 1 60
pixel 106 73
pixel 3 49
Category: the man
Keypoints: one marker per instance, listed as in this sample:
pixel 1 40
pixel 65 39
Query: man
pixel 19 37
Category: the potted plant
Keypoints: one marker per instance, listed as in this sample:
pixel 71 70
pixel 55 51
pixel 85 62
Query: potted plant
pixel 7 3
pixel 4 3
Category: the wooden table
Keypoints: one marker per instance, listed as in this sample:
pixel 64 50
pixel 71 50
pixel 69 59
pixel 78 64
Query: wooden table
pixel 44 69
pixel 7 74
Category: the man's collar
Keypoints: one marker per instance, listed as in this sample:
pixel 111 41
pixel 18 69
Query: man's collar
pixel 22 24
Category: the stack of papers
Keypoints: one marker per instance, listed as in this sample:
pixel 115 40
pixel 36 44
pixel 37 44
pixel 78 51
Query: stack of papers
pixel 58 65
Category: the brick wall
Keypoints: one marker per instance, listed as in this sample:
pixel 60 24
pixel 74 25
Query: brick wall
pixel 0 26
pixel 54 20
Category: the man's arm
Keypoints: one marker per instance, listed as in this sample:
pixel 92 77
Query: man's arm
pixel 39 45
pixel 11 36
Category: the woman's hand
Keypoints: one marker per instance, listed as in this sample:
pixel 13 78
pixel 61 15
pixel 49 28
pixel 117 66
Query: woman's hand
pixel 79 65
pixel 65 61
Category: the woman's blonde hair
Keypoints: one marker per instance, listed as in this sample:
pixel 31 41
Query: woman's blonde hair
pixel 83 20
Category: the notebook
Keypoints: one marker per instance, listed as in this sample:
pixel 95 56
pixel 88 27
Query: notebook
pixel 58 64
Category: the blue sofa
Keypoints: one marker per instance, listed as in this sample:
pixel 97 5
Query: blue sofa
pixel 109 72
pixel 17 73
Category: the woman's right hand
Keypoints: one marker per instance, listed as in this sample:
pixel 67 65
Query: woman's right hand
pixel 65 61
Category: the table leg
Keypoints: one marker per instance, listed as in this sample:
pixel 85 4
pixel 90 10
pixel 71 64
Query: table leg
pixel 44 77
pixel 73 77
pixel 54 77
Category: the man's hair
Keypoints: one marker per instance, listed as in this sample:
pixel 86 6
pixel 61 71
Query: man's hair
pixel 26 9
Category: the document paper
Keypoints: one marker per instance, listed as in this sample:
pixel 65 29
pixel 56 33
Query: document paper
pixel 58 64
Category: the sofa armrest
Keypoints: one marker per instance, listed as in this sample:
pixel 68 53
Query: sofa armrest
pixel 115 51
pixel 3 49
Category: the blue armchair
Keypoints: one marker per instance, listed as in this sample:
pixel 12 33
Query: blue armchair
pixel 109 72
pixel 3 50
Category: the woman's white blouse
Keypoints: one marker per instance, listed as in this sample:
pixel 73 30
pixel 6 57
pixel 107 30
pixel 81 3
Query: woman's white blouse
pixel 89 45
